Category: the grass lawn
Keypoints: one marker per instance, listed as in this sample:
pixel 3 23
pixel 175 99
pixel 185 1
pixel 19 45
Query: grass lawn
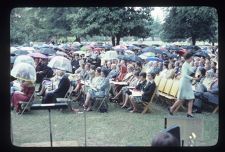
pixel 115 128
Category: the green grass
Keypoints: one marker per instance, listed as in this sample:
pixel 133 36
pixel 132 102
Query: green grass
pixel 115 128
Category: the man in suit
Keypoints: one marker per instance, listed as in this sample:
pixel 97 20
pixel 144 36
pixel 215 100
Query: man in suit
pixel 211 95
pixel 147 92
pixel 60 92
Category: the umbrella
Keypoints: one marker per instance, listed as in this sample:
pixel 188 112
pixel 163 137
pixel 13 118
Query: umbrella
pixel 24 59
pixel 38 55
pixel 141 45
pixel 133 58
pixel 109 55
pixel 191 47
pixel 129 52
pixel 120 47
pixel 86 48
pixel 61 63
pixel 148 49
pixel 20 52
pixel 61 53
pixel 154 59
pixel 201 54
pixel 79 52
pixel 133 47
pixel 47 50
pixel 24 71
pixel 146 54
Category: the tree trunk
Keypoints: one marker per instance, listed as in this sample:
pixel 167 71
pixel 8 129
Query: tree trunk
pixel 153 39
pixel 77 39
pixel 193 40
pixel 113 40
pixel 117 40
pixel 213 44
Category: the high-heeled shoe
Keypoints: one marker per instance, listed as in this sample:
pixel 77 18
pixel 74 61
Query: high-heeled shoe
pixel 170 112
pixel 190 116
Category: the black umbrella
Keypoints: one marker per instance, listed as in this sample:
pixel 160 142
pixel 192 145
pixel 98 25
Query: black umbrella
pixel 201 54
pixel 133 58
pixel 192 47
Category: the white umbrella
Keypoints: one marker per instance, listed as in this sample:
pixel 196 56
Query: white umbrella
pixel 61 63
pixel 24 71
pixel 24 59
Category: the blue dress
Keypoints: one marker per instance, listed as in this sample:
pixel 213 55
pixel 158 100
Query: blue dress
pixel 185 91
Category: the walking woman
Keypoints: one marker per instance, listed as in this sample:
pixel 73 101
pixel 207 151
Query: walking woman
pixel 185 92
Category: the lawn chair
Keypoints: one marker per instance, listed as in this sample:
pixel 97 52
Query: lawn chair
pixel 67 99
pixel 147 105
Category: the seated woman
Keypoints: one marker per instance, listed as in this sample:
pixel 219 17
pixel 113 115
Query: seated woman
pixel 170 73
pixel 27 90
pixel 101 84
pixel 51 83
pixel 60 92
pixel 208 79
pixel 127 78
pixel 140 85
pixel 147 92
pixel 132 83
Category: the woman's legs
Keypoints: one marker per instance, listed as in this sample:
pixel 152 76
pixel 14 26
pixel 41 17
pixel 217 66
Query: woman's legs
pixel 190 105
pixel 133 104
pixel 87 100
pixel 175 105
pixel 125 100
pixel 117 95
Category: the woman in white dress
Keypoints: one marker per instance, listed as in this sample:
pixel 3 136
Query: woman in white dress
pixel 185 92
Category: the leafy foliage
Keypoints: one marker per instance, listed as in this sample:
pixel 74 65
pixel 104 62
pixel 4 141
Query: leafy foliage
pixel 197 23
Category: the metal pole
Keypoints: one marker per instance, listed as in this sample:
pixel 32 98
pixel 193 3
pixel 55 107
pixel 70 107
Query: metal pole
pixel 85 139
pixel 50 125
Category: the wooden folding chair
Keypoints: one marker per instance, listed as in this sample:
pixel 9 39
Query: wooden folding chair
pixel 157 80
pixel 216 109
pixel 147 105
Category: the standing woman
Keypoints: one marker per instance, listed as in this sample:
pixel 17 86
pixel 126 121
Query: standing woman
pixel 185 92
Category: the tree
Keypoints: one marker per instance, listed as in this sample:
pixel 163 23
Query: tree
pixel 197 23
pixel 156 28
pixel 115 22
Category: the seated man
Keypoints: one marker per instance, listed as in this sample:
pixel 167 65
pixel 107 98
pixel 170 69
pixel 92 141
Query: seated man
pixel 210 95
pixel 60 92
pixel 147 92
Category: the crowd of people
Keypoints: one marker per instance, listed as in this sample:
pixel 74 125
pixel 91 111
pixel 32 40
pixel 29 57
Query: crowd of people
pixel 200 72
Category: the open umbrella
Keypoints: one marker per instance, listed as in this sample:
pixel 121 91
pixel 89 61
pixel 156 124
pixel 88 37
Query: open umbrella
pixel 146 54
pixel 38 55
pixel 133 47
pixel 61 53
pixel 47 50
pixel 148 49
pixel 24 71
pixel 154 59
pixel 120 47
pixel 61 63
pixel 86 48
pixel 24 59
pixel 201 54
pixel 109 55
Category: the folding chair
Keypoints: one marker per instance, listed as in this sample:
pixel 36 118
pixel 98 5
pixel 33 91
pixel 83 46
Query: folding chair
pixel 26 105
pixel 103 100
pixel 157 80
pixel 67 98
pixel 148 104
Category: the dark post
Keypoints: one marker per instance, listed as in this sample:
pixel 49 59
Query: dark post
pixel 50 125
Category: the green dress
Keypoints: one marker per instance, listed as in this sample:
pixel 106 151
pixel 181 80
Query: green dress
pixel 185 91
